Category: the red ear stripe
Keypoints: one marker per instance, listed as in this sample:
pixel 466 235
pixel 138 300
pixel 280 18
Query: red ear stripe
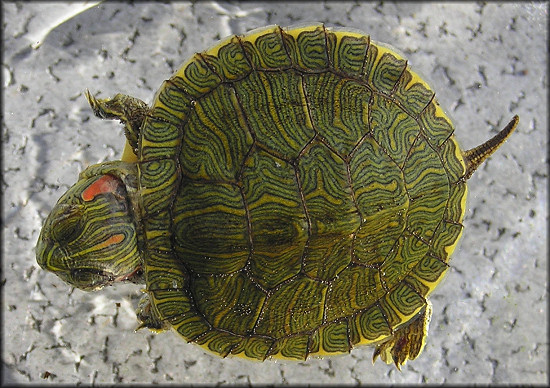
pixel 105 184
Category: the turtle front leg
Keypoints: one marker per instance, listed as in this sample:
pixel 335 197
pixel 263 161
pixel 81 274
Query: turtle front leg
pixel 148 317
pixel 407 342
pixel 129 110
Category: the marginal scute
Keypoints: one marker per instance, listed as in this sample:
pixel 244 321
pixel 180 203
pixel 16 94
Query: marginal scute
pixel 253 347
pixel 190 325
pixel 171 105
pixel 158 236
pixel 228 60
pixel 156 276
pixel 445 239
pixel 307 48
pixel 452 160
pixel 400 305
pixel 404 256
pixel 372 325
pixel 330 339
pixel 383 68
pixel 425 276
pixel 435 124
pixel 195 78
pixel 265 49
pixel 457 202
pixel 158 139
pixel 217 341
pixel 171 302
pixel 412 93
pixel 159 182
pixel 347 51
pixel 293 347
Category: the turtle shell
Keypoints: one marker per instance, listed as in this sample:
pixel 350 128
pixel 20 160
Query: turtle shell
pixel 312 189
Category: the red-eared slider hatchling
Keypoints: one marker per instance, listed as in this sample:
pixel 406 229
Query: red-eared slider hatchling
pixel 290 192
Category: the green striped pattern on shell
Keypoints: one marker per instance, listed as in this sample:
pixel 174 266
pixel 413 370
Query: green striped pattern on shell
pixel 312 186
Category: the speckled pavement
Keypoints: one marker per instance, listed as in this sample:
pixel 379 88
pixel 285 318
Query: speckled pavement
pixel 486 63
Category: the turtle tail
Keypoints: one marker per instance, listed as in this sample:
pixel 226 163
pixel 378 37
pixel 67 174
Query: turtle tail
pixel 476 156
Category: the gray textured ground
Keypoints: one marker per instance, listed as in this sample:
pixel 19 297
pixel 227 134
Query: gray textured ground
pixel 486 62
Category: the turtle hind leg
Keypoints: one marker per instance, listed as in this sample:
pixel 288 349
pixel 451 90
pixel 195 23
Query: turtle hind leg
pixel 129 110
pixel 407 342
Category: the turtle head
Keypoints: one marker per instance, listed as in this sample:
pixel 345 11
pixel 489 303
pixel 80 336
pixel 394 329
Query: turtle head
pixel 89 239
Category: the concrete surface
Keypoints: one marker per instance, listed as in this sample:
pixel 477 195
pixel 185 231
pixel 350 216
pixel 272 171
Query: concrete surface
pixel 486 61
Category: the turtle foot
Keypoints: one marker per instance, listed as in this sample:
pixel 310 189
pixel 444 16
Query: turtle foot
pixel 407 342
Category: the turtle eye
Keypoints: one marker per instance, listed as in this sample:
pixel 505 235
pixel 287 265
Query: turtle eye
pixel 67 227
pixel 89 279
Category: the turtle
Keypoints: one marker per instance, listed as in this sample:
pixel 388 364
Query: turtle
pixel 290 192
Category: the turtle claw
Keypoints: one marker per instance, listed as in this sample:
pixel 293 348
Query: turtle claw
pixel 407 342
pixel 129 110
pixel 147 316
